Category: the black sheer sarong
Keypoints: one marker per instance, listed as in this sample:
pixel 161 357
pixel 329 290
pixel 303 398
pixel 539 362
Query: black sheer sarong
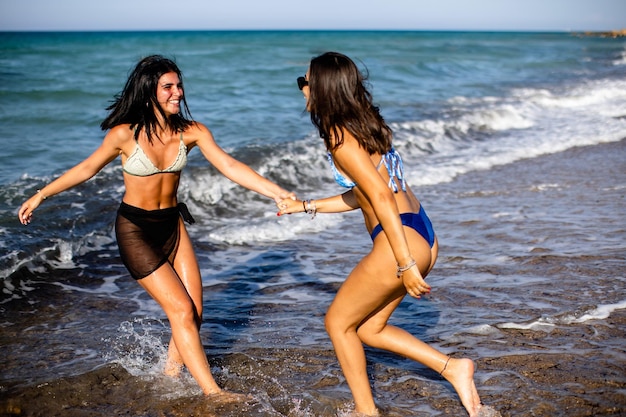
pixel 147 238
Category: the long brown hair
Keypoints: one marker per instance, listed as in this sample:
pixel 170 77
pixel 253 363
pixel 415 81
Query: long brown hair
pixel 134 105
pixel 338 99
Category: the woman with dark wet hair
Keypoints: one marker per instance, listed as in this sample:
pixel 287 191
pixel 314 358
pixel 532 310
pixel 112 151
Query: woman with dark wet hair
pixel 150 128
pixel 404 250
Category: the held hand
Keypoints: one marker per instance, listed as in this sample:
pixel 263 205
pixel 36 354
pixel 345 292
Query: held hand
pixel 414 283
pixel 25 213
pixel 289 206
pixel 284 195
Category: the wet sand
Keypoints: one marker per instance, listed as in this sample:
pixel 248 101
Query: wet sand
pixel 527 379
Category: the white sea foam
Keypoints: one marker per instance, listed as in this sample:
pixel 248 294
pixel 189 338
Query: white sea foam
pixel 270 228
pixel 529 123
pixel 108 287
pixel 600 312
pixel 541 324
pixel 483 329
pixel 622 59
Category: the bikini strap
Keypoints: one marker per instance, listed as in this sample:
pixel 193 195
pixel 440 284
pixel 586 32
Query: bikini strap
pixel 395 169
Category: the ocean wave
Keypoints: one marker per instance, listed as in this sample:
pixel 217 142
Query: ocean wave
pixel 622 58
pixel 479 133
pixel 470 133
pixel 269 228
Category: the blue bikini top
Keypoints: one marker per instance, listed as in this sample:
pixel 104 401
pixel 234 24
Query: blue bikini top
pixel 391 160
pixel 339 179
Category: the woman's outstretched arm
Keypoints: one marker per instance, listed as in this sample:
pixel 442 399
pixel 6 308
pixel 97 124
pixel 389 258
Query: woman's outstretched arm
pixel 335 204
pixel 107 152
pixel 235 170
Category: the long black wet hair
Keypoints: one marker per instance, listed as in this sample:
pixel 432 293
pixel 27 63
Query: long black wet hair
pixel 135 104
pixel 338 99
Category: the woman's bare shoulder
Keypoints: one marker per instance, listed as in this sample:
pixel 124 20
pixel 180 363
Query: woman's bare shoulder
pixel 119 138
pixel 197 127
pixel 120 133
pixel 195 133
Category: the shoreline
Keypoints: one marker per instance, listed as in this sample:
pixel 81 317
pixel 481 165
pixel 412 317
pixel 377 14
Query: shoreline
pixel 568 368
pixel 571 370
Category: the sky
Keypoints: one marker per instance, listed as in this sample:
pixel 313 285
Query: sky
pixel 490 15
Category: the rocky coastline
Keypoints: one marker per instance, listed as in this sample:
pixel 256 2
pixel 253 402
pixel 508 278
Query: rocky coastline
pixel 605 34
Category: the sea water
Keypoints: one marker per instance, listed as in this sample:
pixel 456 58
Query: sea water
pixel 459 103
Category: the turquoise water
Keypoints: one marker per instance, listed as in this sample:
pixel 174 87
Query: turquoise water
pixel 55 86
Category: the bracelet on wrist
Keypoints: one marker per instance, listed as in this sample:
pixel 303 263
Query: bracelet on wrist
pixel 43 196
pixel 402 269
pixel 310 208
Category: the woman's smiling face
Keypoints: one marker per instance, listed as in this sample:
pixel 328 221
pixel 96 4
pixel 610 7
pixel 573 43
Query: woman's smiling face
pixel 169 93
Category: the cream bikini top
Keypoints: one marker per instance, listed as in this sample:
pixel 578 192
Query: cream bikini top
pixel 138 164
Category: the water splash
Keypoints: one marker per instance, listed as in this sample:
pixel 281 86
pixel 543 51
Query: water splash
pixel 139 347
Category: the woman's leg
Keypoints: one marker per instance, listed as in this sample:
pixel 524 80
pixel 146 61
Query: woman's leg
pixel 360 313
pixel 187 269
pixel 363 293
pixel 182 306
pixel 376 332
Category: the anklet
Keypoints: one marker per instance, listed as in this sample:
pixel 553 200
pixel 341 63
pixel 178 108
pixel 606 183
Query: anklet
pixel 445 366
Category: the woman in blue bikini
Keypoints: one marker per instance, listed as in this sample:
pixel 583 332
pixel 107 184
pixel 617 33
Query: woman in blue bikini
pixel 404 249
pixel 150 127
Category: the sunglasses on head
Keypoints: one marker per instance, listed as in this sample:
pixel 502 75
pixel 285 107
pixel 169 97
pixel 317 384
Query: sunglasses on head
pixel 302 82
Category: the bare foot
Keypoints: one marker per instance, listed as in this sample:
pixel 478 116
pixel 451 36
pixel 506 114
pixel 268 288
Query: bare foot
pixel 229 397
pixel 358 414
pixel 487 411
pixel 460 373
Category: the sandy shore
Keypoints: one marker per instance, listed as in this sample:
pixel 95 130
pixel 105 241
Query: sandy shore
pixel 589 206
pixel 528 379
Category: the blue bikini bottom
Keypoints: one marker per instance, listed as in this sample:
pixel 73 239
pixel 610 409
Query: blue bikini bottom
pixel 418 222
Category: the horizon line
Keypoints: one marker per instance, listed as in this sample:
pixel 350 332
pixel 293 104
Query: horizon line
pixel 304 30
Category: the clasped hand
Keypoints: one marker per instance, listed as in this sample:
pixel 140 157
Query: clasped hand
pixel 414 283
pixel 289 205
